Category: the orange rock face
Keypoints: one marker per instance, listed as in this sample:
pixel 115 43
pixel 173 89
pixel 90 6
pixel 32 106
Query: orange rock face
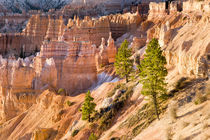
pixel 30 40
pixel 67 57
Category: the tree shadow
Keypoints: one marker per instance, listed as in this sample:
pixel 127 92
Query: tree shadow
pixel 192 136
pixel 191 112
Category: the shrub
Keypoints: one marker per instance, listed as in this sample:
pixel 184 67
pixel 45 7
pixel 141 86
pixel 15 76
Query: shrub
pixel 182 83
pixel 92 137
pixel 69 103
pixel 144 116
pixel 101 65
pixel 62 91
pixel 107 117
pixel 138 129
pixel 199 99
pixel 119 86
pixel 75 132
pixel 106 120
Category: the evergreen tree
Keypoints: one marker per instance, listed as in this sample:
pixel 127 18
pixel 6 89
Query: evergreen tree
pixel 123 64
pixel 88 107
pixel 153 72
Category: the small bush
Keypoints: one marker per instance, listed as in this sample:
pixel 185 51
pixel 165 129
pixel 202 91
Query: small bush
pixel 92 137
pixel 62 91
pixel 181 83
pixel 101 65
pixel 107 117
pixel 138 129
pixel 199 99
pixel 75 132
pixel 106 120
pixel 119 86
pixel 69 103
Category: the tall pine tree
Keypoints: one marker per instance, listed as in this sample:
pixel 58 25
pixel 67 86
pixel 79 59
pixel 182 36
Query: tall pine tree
pixel 88 107
pixel 153 72
pixel 123 64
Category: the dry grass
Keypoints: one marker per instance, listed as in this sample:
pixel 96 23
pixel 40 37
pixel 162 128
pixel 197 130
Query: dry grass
pixel 172 109
pixel 205 125
pixel 199 99
pixel 169 133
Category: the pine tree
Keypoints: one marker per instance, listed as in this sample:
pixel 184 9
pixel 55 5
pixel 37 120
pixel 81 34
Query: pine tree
pixel 88 107
pixel 123 63
pixel 153 72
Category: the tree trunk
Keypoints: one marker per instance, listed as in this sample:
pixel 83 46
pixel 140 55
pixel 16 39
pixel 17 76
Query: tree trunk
pixel 155 105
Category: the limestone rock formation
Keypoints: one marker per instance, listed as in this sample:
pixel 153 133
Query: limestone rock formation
pixel 157 10
pixel 189 50
pixel 107 53
pixel 111 49
pixel 93 30
pixel 16 78
pixel 196 6
pixel 30 40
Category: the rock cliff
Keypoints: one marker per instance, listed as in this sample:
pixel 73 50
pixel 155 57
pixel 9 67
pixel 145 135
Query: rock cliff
pixel 186 48
pixel 30 40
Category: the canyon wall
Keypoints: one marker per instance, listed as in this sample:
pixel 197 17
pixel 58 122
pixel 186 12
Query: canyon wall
pixel 196 6
pixel 186 46
pixel 30 40
pixel 93 30
pixel 16 88
pixel 157 10
pixel 189 50
pixel 67 58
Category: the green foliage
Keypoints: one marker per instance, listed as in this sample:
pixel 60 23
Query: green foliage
pixel 62 91
pixel 107 118
pixel 75 132
pixel 139 121
pixel 119 86
pixel 181 83
pixel 92 137
pixel 123 63
pixel 153 72
pixel 69 103
pixel 88 107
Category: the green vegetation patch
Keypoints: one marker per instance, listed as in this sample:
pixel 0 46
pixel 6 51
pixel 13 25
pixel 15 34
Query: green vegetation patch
pixel 75 132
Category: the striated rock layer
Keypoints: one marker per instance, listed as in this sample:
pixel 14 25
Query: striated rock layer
pixel 185 44
pixel 30 40
pixel 67 58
